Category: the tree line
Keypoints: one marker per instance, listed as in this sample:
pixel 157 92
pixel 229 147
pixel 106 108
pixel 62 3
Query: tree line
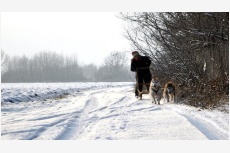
pixel 48 66
pixel 191 49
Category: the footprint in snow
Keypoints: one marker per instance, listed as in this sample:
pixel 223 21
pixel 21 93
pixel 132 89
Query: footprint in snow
pixel 109 138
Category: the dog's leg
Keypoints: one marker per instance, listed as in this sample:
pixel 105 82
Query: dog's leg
pixel 164 95
pixel 167 96
pixel 173 98
pixel 151 95
pixel 154 99
pixel 158 99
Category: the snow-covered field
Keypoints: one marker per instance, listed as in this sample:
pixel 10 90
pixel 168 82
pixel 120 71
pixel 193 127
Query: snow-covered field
pixel 101 111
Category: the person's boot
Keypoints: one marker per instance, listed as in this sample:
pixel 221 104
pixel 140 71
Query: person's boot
pixel 140 96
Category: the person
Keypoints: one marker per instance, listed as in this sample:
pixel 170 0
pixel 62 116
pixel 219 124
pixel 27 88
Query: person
pixel 140 65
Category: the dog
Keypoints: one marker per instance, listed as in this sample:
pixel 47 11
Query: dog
pixel 169 92
pixel 155 91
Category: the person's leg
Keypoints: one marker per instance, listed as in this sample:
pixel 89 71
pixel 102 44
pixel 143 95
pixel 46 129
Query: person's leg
pixel 136 92
pixel 140 82
pixel 147 78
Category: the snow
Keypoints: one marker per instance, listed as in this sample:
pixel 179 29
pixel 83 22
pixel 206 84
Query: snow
pixel 24 92
pixel 204 68
pixel 107 111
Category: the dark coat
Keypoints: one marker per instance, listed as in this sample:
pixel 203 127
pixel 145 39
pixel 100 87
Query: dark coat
pixel 143 62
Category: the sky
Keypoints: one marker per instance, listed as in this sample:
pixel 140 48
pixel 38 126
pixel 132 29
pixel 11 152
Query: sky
pixel 89 35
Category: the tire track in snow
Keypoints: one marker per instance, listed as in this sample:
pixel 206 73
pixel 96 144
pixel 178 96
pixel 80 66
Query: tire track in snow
pixel 120 100
pixel 108 113
pixel 74 121
pixel 203 128
pixel 77 125
pixel 212 132
pixel 43 129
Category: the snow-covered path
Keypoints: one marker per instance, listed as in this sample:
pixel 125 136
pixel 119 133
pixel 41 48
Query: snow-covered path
pixel 111 113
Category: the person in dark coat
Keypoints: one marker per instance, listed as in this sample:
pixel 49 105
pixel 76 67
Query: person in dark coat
pixel 140 65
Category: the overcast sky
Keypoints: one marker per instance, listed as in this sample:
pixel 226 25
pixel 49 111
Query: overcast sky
pixel 92 36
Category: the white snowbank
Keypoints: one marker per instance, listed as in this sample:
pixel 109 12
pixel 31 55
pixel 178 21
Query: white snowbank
pixel 24 92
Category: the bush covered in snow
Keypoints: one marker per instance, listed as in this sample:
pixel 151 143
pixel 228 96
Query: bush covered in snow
pixel 191 49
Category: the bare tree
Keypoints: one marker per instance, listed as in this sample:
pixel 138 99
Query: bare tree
pixel 114 68
pixel 48 66
pixel 89 72
pixel 189 48
pixel 4 61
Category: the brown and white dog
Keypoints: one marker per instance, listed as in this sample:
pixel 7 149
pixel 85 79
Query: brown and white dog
pixel 155 91
pixel 169 92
